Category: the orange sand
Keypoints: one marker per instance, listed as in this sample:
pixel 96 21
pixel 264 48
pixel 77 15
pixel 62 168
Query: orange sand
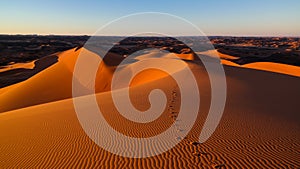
pixel 29 65
pixel 264 66
pixel 259 128
pixel 275 67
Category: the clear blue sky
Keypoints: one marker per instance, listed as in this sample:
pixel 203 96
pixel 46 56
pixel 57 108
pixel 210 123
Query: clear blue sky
pixel 213 17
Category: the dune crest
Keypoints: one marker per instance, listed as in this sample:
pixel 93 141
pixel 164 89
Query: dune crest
pixel 275 67
pixel 264 66
pixel 28 65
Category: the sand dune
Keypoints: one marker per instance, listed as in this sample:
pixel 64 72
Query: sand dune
pixel 55 82
pixel 275 67
pixel 264 66
pixel 259 128
pixel 229 63
pixel 51 84
pixel 21 71
pixel 268 66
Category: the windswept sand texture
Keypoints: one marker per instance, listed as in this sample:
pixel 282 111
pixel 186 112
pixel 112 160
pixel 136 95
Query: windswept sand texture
pixel 259 128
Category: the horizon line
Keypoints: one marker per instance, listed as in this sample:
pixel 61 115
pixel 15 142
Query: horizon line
pixel 33 34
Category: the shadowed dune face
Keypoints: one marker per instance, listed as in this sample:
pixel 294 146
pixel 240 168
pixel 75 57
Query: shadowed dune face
pixel 145 50
pixel 105 72
pixel 130 45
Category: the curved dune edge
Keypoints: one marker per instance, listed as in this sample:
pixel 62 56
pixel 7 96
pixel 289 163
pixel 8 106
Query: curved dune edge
pixel 55 82
pixel 269 67
pixel 51 84
pixel 216 54
pixel 28 65
pixel 266 66
pixel 229 63
pixel 275 67
pixel 249 134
